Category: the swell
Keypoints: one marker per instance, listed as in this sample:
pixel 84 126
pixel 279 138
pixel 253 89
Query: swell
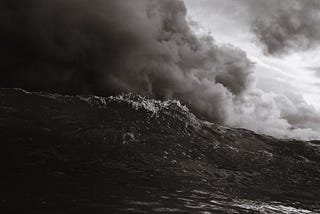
pixel 76 142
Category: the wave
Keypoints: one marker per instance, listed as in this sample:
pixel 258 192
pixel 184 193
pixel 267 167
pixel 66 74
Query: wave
pixel 151 146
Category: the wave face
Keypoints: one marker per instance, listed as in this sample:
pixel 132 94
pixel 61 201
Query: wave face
pixel 131 154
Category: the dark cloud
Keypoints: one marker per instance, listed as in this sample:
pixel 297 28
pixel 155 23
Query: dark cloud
pixel 285 25
pixel 271 112
pixel 106 47
pixel 281 26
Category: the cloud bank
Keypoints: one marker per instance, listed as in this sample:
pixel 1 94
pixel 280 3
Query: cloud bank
pixel 144 46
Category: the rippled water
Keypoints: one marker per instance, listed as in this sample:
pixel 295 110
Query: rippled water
pixel 130 154
pixel 202 202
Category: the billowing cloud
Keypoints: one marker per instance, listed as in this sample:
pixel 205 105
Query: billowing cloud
pixel 283 26
pixel 296 111
pixel 278 115
pixel 107 47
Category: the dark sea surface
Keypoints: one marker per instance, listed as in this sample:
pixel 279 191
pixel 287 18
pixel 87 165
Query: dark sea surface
pixel 129 154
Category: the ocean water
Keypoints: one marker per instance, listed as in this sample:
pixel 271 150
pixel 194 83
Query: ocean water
pixel 132 154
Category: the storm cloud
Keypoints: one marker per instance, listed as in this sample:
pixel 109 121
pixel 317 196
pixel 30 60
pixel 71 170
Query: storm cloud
pixel 106 47
pixel 283 26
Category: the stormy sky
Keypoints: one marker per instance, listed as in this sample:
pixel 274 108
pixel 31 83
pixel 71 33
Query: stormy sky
pixel 243 63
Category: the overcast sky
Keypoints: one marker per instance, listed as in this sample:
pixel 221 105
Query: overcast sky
pixel 229 21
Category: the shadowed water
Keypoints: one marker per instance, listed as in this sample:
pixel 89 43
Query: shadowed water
pixel 130 154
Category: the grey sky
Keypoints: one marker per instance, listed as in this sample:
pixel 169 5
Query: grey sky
pixel 284 48
pixel 229 22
